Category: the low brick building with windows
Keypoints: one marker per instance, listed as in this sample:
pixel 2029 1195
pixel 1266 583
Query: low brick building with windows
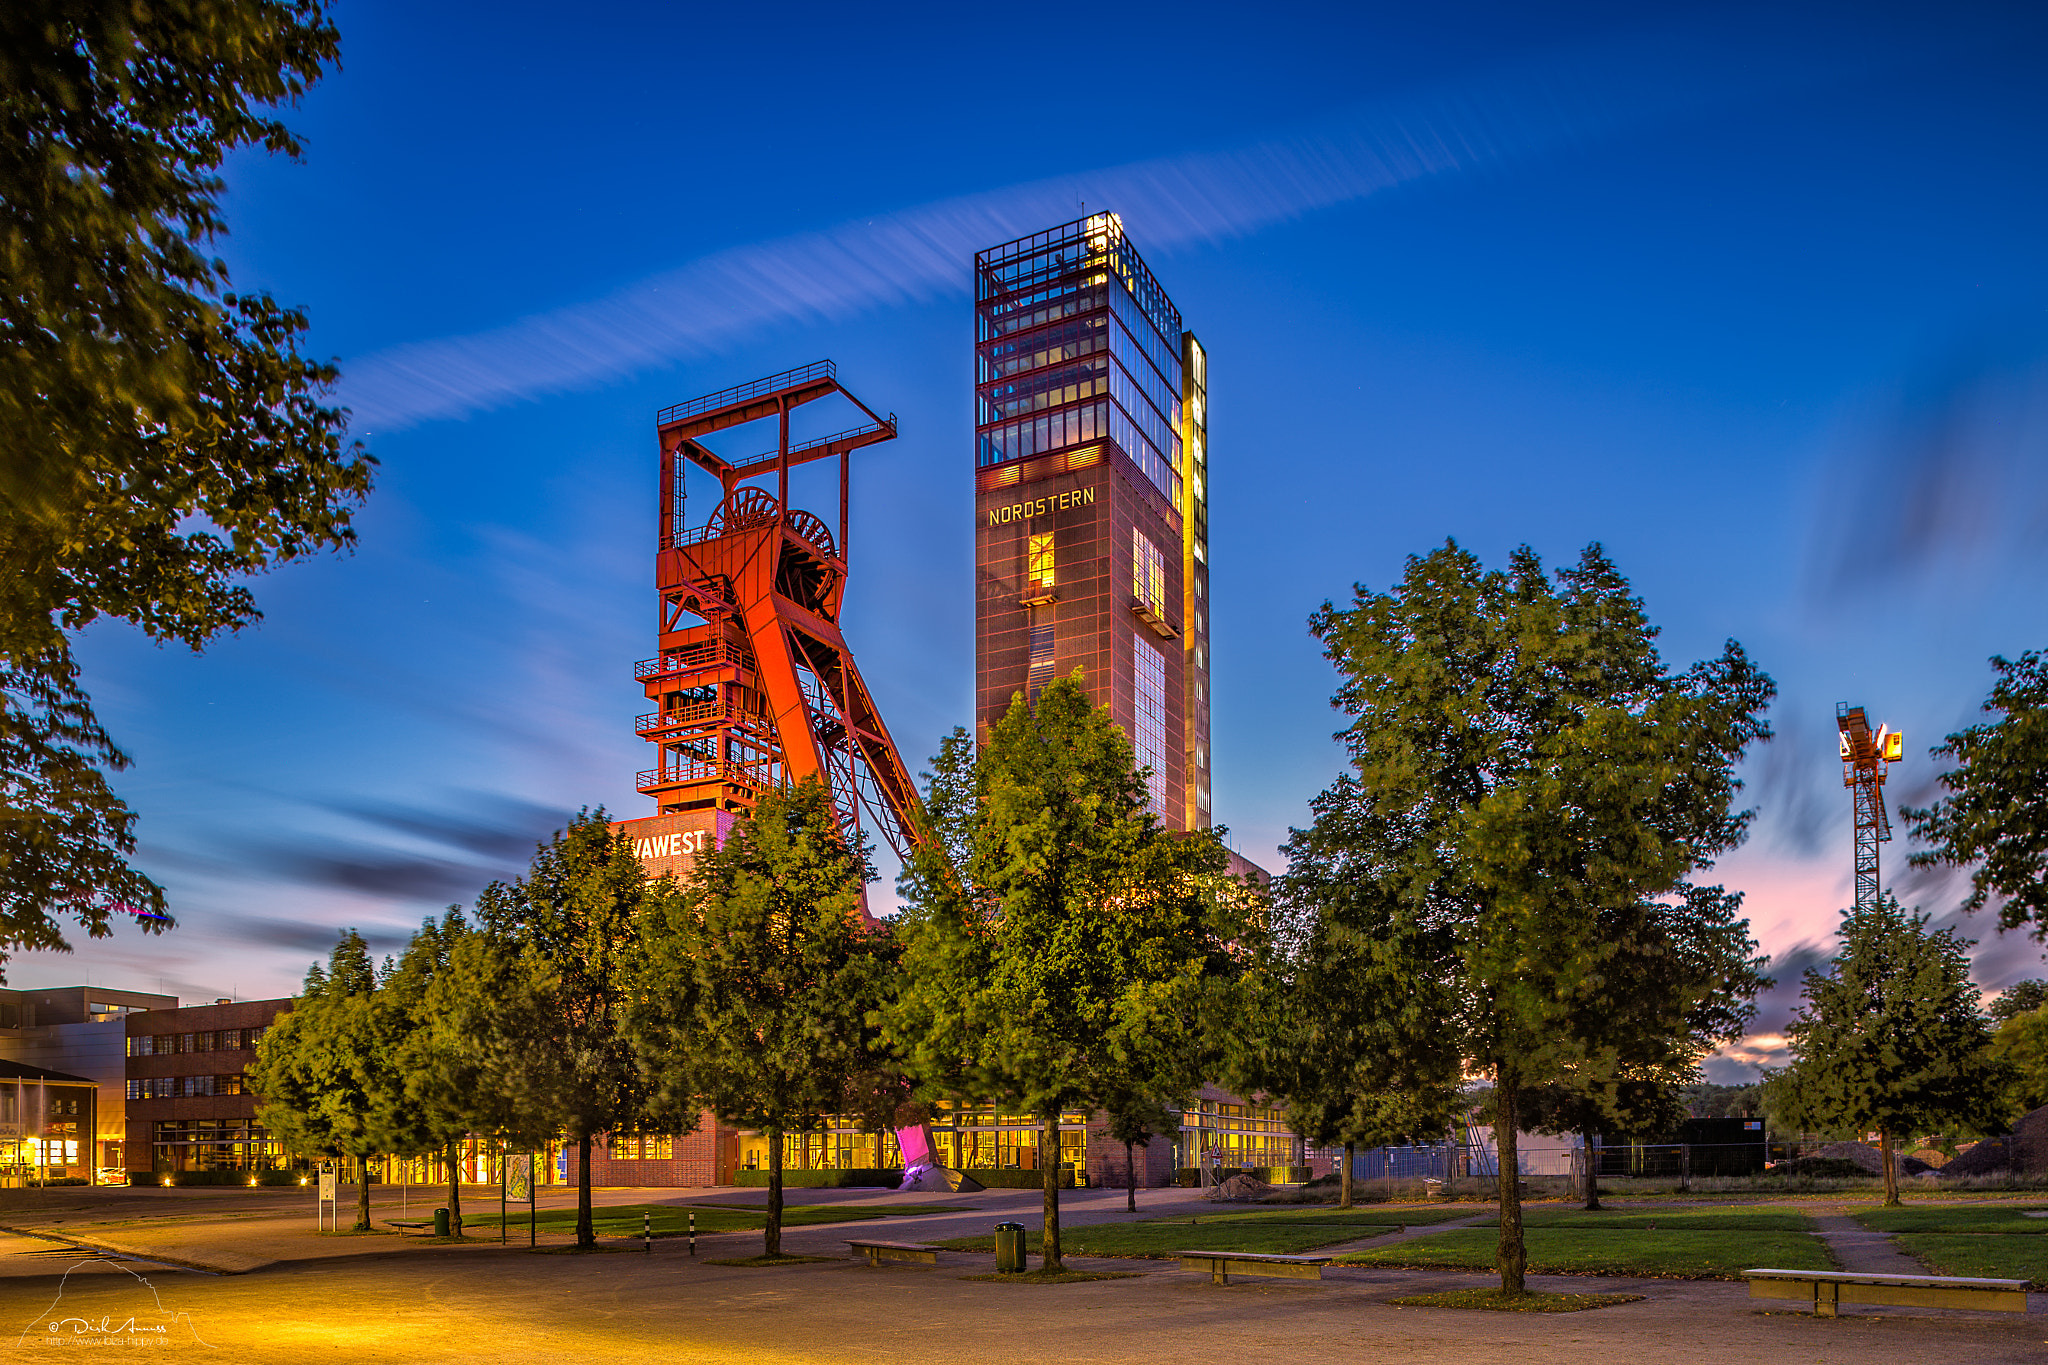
pixel 188 1109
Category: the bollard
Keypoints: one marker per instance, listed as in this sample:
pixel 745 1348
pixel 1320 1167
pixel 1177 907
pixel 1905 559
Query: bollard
pixel 646 1232
pixel 693 1232
pixel 440 1222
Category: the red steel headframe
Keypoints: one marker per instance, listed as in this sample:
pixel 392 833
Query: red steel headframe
pixel 754 684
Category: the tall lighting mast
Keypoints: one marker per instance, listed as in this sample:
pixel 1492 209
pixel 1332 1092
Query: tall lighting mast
pixel 1865 757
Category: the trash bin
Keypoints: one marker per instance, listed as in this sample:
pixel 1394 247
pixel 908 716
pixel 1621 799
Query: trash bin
pixel 1009 1248
pixel 440 1222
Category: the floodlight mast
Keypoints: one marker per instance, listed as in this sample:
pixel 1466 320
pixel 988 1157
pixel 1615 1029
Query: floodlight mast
pixel 754 685
pixel 1865 757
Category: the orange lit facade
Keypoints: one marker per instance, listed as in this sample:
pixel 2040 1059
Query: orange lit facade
pixel 1091 497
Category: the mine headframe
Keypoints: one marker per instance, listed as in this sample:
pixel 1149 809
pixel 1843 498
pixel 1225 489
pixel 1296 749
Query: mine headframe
pixel 753 684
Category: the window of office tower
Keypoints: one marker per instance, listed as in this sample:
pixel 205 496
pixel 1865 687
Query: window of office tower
pixel 1148 573
pixel 1039 557
pixel 1076 342
pixel 1148 674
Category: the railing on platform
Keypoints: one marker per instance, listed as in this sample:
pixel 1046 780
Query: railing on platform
pixel 774 383
pixel 709 654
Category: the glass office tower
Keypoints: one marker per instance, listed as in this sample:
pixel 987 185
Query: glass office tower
pixel 1091 517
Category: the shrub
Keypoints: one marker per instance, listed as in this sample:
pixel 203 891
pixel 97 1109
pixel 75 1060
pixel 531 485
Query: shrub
pixel 1008 1178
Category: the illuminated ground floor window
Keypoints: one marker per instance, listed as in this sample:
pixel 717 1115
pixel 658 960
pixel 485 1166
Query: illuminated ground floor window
pixel 216 1145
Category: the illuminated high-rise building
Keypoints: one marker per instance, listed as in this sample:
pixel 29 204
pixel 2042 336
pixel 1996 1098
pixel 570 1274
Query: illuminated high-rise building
pixel 1091 497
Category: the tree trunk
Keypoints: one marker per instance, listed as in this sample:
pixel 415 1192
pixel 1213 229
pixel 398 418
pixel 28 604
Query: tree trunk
pixel 1344 1180
pixel 362 1194
pixel 1048 1168
pixel 1513 1258
pixel 1891 1172
pixel 1592 1173
pixel 586 1235
pixel 1130 1179
pixel 454 1188
pixel 771 1235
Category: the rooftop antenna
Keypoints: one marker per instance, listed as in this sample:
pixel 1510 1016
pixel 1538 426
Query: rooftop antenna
pixel 1865 757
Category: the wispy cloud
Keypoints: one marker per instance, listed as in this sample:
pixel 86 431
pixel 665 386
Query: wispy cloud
pixel 924 252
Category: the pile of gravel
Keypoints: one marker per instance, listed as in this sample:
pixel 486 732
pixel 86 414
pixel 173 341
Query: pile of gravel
pixel 1241 1188
pixel 2024 1151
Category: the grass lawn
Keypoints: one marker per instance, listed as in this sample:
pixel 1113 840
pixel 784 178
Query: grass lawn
pixel 1993 1256
pixel 1953 1218
pixel 1494 1301
pixel 1732 1219
pixel 670 1220
pixel 1587 1251
pixel 1298 1229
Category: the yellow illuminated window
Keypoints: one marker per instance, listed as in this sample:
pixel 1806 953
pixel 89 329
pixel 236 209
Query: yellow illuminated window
pixel 1040 559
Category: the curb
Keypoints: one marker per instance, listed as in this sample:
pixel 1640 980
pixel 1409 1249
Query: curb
pixel 138 1253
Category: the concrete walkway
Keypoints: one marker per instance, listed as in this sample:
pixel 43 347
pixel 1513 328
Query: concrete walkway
pixel 1863 1251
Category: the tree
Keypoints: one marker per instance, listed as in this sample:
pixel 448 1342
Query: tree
pixel 1134 1120
pixel 1528 765
pixel 2022 997
pixel 2021 1046
pixel 761 975
pixel 1890 1037
pixel 164 435
pixel 1994 818
pixel 574 922
pixel 1059 943
pixel 1681 979
pixel 326 1075
pixel 1349 994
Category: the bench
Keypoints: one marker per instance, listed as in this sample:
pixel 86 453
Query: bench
pixel 408 1223
pixel 1221 1265
pixel 877 1252
pixel 1826 1289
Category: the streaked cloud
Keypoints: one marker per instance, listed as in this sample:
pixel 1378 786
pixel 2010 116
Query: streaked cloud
pixel 1170 203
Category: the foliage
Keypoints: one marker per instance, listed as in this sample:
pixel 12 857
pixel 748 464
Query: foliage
pixel 326 1076
pixel 1344 1010
pixel 1534 781
pixel 560 952
pixel 1994 817
pixel 1890 1038
pixel 164 434
pixel 2021 997
pixel 759 978
pixel 1135 1118
pixel 2021 1044
pixel 1060 945
pixel 1705 1100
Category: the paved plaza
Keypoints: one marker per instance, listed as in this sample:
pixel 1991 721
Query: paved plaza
pixel 295 1296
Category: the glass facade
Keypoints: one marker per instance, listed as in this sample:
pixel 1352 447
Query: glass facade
pixel 1076 343
pixel 215 1145
pixel 1148 739
pixel 1237 1135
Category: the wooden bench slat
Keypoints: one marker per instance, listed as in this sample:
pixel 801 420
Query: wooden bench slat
pixel 1220 1264
pixel 875 1250
pixel 1826 1289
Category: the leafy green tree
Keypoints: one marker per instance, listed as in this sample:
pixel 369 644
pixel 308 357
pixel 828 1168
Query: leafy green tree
pixel 326 1075
pixel 1994 818
pixel 761 976
pixel 451 1092
pixel 2021 1046
pixel 1890 1038
pixel 1059 942
pixel 1530 764
pixel 574 923
pixel 1134 1120
pixel 1346 1004
pixel 1681 979
pixel 164 434
pixel 2022 997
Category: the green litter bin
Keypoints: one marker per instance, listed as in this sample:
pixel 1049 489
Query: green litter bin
pixel 440 1222
pixel 1009 1248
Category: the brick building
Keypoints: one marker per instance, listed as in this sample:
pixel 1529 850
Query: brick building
pixel 187 1107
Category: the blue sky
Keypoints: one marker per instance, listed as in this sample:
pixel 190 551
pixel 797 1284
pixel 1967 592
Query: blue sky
pixel 1753 296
